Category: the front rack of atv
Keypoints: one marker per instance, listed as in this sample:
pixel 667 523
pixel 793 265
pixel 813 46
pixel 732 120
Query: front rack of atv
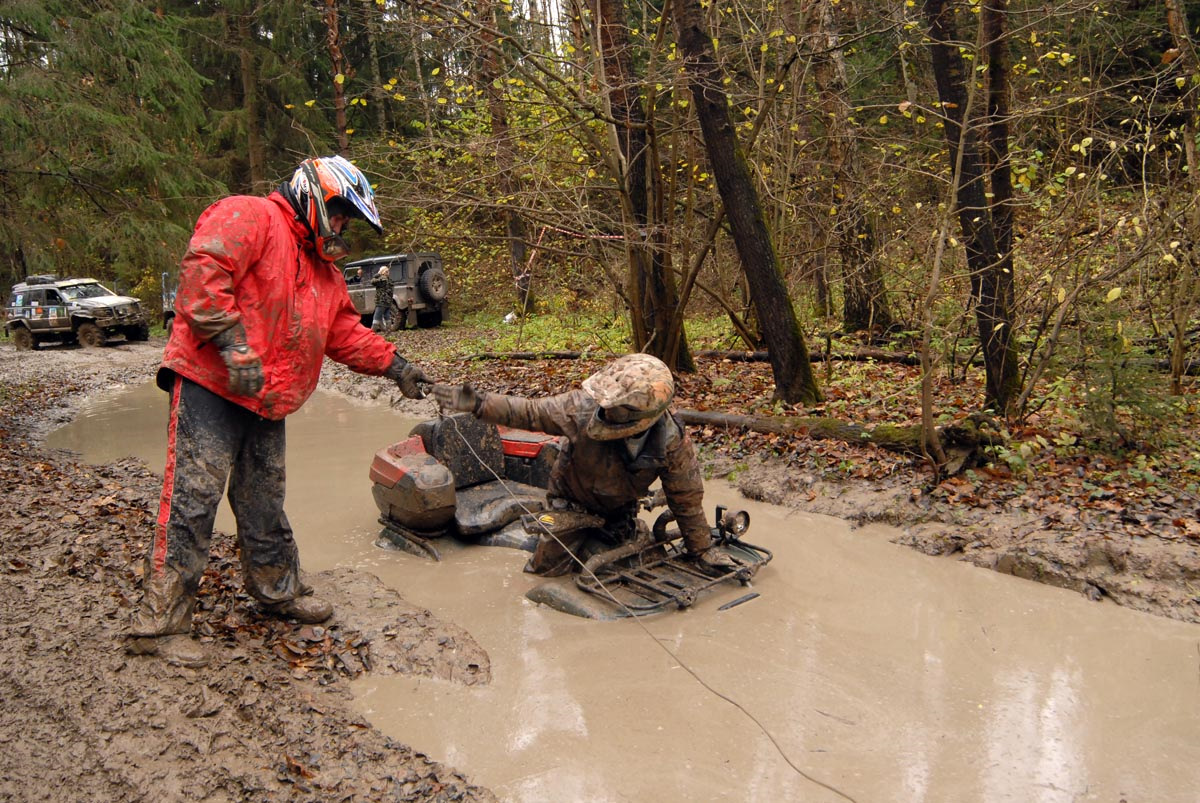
pixel 646 579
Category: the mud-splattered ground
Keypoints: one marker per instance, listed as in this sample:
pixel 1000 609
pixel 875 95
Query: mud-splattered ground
pixel 271 719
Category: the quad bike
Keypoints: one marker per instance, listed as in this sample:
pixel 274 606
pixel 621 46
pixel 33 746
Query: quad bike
pixel 482 484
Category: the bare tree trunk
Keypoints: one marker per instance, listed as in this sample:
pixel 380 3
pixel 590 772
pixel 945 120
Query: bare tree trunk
pixel 371 15
pixel 652 283
pixel 506 159
pixel 864 302
pixel 341 73
pixel 794 379
pixel 249 73
pixel 991 283
pixel 1182 286
pixel 999 166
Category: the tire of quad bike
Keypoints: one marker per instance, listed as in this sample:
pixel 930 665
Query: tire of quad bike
pixel 22 339
pixel 432 284
pixel 138 334
pixel 89 336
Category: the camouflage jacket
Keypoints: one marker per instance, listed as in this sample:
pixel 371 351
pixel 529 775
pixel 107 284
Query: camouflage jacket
pixel 601 476
pixel 383 291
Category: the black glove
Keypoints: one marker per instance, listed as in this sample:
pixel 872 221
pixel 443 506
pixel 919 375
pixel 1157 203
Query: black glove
pixel 459 397
pixel 406 376
pixel 243 362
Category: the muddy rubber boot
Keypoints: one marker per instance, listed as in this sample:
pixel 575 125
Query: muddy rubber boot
pixel 713 558
pixel 308 610
pixel 177 650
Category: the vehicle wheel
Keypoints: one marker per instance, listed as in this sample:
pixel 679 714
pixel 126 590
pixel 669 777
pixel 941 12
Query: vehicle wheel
pixel 432 284
pixel 138 334
pixel 22 338
pixel 430 319
pixel 89 336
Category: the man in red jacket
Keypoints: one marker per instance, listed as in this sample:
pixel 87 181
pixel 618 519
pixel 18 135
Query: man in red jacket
pixel 261 304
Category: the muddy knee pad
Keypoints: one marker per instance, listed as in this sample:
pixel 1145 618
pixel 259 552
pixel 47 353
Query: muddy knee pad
pixel 166 607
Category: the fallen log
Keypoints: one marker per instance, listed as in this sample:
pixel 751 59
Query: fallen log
pixel 534 355
pixel 858 355
pixel 970 434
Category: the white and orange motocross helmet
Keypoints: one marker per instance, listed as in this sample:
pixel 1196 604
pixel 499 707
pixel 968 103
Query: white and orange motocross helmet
pixel 327 186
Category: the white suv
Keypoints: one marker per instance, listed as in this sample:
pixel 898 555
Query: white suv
pixel 46 308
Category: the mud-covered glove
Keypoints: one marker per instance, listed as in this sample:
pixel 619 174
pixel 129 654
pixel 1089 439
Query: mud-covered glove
pixel 406 375
pixel 459 397
pixel 243 362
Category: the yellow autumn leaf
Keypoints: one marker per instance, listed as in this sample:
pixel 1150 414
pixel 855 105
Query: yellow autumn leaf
pixel 339 79
pixel 310 103
pixel 1062 295
pixel 1113 295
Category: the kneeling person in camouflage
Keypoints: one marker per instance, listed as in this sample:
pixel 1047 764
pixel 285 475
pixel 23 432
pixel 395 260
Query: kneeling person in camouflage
pixel 622 437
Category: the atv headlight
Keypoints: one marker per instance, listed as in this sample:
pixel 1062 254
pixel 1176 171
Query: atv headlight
pixel 735 521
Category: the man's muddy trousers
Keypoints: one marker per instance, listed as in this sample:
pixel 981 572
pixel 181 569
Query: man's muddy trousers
pixel 211 440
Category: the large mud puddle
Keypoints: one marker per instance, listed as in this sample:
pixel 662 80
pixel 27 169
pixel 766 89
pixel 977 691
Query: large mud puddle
pixel 864 670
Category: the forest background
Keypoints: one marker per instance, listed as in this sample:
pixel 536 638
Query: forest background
pixel 1002 194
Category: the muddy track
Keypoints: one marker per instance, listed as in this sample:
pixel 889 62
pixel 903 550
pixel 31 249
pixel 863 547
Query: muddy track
pixel 270 720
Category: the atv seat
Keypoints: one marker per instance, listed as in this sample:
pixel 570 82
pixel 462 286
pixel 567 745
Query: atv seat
pixel 473 452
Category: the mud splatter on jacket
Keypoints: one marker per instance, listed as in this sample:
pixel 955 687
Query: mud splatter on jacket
pixel 600 475
pixel 250 260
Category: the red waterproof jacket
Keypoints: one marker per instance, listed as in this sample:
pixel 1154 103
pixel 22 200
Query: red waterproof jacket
pixel 251 260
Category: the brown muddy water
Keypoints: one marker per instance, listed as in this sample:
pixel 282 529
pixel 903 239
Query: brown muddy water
pixel 863 667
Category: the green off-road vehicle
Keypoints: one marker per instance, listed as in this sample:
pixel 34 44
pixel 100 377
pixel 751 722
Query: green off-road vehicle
pixel 45 309
pixel 419 287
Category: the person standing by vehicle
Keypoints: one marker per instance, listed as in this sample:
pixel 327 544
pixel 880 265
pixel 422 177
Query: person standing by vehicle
pixel 385 301
pixel 621 438
pixel 260 304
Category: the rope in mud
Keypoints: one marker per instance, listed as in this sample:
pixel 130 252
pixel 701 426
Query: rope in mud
pixel 637 618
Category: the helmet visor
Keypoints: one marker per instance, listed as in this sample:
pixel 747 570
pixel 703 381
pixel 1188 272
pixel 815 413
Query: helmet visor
pixel 625 414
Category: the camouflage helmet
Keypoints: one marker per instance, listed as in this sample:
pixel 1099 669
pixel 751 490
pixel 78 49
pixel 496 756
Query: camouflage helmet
pixel 631 392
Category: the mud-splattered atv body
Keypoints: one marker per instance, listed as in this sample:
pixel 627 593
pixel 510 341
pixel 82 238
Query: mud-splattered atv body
pixel 477 483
